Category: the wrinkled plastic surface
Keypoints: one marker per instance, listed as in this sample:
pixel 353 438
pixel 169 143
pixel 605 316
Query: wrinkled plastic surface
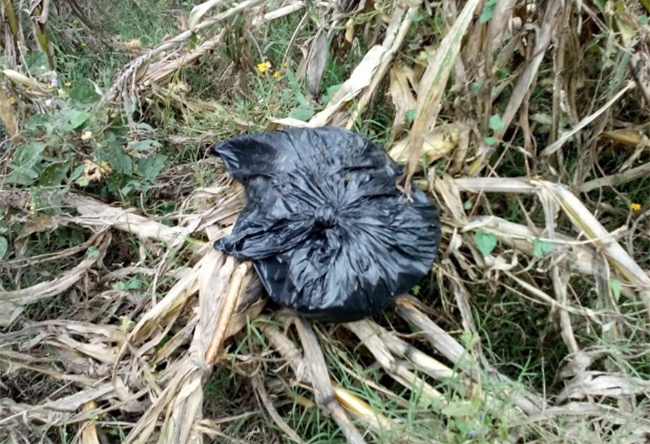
pixel 328 232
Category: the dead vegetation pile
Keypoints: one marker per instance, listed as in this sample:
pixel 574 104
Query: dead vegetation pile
pixel 525 121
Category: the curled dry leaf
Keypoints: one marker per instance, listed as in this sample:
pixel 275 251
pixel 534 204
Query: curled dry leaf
pixel 28 82
pixel 279 13
pixel 316 63
pixel 592 383
pixel 437 144
pixel 200 10
pixel 627 137
pixel 94 172
pixel 359 79
pixel 432 85
pixel 7 114
pixel 12 302
pixel 93 212
pixel 401 82
pixel 89 430
pixel 76 401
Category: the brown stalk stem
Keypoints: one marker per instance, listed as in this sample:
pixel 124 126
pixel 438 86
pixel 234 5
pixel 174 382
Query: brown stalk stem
pixel 322 384
pixel 232 296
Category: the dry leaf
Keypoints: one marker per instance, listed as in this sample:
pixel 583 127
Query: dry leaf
pixel 7 114
pixel 200 10
pixel 401 80
pixel 22 79
pixel 349 31
pixel 438 143
pixel 432 85
pixel 316 63
pixel 360 78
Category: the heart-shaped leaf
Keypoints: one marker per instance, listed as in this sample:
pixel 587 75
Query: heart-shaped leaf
pixel 486 242
pixel 541 248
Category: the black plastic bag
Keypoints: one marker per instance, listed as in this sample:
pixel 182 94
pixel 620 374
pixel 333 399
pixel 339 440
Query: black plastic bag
pixel 328 232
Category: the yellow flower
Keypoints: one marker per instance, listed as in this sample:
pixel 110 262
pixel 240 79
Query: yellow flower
pixel 11 100
pixel 277 74
pixel 635 206
pixel 83 44
pixel 75 22
pixel 263 67
pixel 68 84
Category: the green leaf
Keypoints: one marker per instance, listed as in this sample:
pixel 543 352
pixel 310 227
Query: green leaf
pixel 132 185
pixel 486 242
pixel 541 248
pixel 93 252
pixel 28 155
pixel 330 93
pixel 601 5
pixel 502 73
pixel 4 246
pixel 488 11
pixel 458 408
pixel 297 89
pixel 72 119
pixel 132 284
pixel 119 286
pixel 114 154
pixel 150 167
pixel 21 176
pixel 416 17
pixel 84 93
pixel 478 86
pixel 77 172
pixel 145 145
pixel 543 119
pixel 24 163
pixel 490 140
pixel 469 339
pixel 615 285
pixel 410 115
pixel 468 205
pixel 301 113
pixel 82 181
pixel 145 127
pixel 416 290
pixel 126 322
pixel 75 237
pixel 496 123
pixel 37 63
pixel 54 174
